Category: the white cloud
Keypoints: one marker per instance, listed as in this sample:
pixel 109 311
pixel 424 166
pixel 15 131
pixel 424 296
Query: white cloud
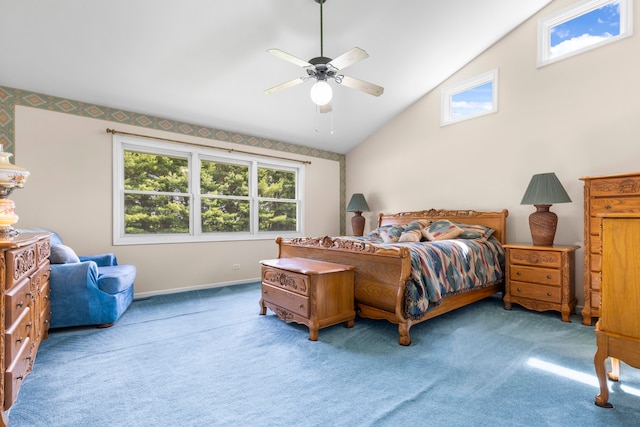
pixel 577 43
pixel 468 108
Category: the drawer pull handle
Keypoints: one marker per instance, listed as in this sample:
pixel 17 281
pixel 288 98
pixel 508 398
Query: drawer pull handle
pixel 19 340
pixel 19 378
pixel 549 276
pixel 29 294
pixel 518 273
pixel 301 306
pixel 20 304
pixel 548 294
pixel 608 207
pixel 28 325
pixel 519 290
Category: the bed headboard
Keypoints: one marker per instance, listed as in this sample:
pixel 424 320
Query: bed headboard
pixel 495 220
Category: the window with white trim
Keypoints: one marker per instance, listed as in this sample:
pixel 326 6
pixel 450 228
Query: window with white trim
pixel 170 192
pixel 584 26
pixel 470 98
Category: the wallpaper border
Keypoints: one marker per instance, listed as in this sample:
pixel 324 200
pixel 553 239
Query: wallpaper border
pixel 10 97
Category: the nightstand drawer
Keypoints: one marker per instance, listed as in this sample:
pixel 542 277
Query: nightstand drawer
pixel 549 259
pixel 287 300
pixel 537 292
pixel 537 275
pixel 294 282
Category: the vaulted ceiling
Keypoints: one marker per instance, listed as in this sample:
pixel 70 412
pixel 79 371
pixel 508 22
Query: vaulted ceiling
pixel 205 62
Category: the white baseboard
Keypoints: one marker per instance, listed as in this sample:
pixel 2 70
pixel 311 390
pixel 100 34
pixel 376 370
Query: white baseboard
pixel 142 295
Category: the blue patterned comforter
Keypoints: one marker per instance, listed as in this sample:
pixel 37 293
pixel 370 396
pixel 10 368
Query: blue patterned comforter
pixel 447 267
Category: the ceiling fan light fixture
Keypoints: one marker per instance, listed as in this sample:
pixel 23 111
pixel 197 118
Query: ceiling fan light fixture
pixel 321 93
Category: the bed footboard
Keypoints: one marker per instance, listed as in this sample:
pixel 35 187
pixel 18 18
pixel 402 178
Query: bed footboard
pixel 380 275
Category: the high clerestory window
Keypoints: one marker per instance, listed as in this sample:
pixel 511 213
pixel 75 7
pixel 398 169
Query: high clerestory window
pixel 169 192
pixel 471 98
pixel 584 26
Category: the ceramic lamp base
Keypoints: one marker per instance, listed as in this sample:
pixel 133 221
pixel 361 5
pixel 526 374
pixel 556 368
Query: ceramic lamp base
pixel 542 224
pixel 357 224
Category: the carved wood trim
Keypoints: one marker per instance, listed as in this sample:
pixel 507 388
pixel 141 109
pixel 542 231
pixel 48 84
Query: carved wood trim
pixel 535 257
pixel 624 186
pixel 339 244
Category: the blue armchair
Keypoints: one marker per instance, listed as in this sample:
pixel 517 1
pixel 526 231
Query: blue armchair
pixel 87 290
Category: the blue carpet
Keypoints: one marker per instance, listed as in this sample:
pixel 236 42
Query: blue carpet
pixel 206 358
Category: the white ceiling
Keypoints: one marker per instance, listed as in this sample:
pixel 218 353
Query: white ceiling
pixel 205 62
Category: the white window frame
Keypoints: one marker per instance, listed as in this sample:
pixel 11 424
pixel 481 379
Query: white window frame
pixel 447 94
pixel 545 26
pixel 195 153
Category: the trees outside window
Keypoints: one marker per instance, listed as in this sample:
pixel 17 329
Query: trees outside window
pixel 166 192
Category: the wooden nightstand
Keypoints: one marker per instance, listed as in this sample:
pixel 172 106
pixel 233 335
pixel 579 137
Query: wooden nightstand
pixel 310 292
pixel 541 277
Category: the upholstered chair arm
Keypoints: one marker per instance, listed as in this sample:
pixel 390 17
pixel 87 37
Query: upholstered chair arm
pixel 76 298
pixel 102 260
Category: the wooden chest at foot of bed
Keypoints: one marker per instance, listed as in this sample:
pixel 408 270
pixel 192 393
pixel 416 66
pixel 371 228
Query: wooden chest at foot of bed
pixel 314 293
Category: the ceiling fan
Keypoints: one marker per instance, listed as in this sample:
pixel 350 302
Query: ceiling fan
pixel 322 69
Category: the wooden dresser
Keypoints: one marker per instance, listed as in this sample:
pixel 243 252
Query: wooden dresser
pixel 310 292
pixel 541 277
pixel 25 310
pixel 603 195
pixel 618 329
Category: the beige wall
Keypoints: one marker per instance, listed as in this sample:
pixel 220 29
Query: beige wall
pixel 577 117
pixel 70 191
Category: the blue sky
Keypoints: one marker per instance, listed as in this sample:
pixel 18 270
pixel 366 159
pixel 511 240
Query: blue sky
pixel 592 27
pixel 473 101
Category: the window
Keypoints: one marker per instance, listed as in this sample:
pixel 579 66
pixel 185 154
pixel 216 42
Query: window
pixel 170 192
pixel 582 27
pixel 471 98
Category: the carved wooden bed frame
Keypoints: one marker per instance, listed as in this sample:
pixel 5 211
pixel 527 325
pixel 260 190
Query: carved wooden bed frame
pixel 381 273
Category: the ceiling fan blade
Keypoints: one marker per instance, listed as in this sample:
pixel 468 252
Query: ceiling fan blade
pixel 326 108
pixel 288 57
pixel 362 86
pixel 285 85
pixel 350 57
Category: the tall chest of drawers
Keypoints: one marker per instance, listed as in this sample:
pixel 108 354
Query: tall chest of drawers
pixel 603 195
pixel 25 310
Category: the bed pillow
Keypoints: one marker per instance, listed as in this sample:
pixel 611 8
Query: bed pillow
pixel 392 233
pixel 474 231
pixel 413 232
pixel 61 254
pixel 441 230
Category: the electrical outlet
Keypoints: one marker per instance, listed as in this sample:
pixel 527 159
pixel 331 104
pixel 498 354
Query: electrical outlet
pixel 236 266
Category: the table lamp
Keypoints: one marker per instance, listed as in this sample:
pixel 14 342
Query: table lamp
pixel 544 190
pixel 357 205
pixel 11 177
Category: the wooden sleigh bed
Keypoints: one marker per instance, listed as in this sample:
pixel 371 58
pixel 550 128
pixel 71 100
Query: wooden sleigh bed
pixel 383 271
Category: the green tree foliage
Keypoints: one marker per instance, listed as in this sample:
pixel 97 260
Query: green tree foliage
pixel 277 215
pixel 156 213
pixel 157 201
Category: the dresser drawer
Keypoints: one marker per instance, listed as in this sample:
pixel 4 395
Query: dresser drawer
pixel 294 282
pixel 45 320
pixel 287 300
pixel 16 300
pixel 17 335
pixel 536 258
pixel 537 275
pixel 603 187
pixel 615 205
pixel 21 263
pixel 535 292
pixel 596 262
pixel 17 372
pixel 595 301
